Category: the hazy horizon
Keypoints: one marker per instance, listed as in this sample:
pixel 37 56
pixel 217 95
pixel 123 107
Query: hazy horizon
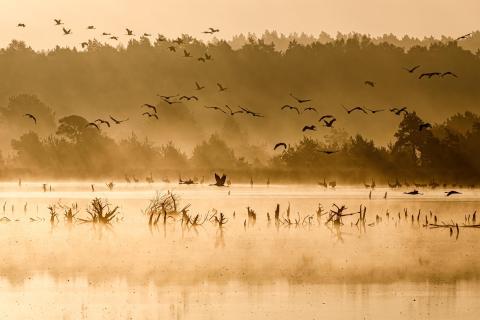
pixel 172 18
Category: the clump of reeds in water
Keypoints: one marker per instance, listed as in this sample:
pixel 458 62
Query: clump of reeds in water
pixel 70 212
pixel 164 206
pixel 100 211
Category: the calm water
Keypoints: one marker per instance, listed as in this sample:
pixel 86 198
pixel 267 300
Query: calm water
pixel 390 269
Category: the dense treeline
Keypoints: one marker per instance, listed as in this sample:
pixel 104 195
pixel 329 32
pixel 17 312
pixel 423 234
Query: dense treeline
pixel 102 80
pixel 448 153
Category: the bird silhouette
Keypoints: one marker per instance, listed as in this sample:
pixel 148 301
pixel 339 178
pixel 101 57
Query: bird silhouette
pixel 300 100
pixel 129 32
pixel 215 108
pixel 147 35
pixel 106 34
pixel 117 121
pixel 198 86
pixel 189 98
pixel 375 110
pixel 369 83
pixel 114 37
pixel 280 144
pixel 178 41
pixel 412 70
pixel 221 87
pixel 150 115
pixel 154 108
pixel 208 57
pixel 424 126
pixel 21 25
pixel 220 181
pixel 91 28
pixel 327 116
pixel 84 44
pixel 449 73
pixel 413 193
pixel 58 22
pixel 310 109
pixel 103 122
pixel 451 192
pixel 464 36
pixel 287 106
pixel 252 113
pixel 201 59
pixel 31 116
pixel 329 124
pixel 355 109
pixel 232 113
pixel 398 111
pixel 329 152
pixel 93 124
pixel 429 75
pixel 312 128
pixel 172 48
pixel 186 54
pixel 66 31
pixel 168 97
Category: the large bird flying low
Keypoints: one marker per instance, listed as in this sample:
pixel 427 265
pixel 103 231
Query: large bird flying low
pixel 150 106
pixel 93 124
pixel 21 25
pixel 31 116
pixel 464 36
pixel 369 83
pixel 399 111
pixel 355 109
pixel 451 192
pixel 375 110
pixel 198 86
pixel 215 108
pixel 117 121
pixel 129 32
pixel 252 113
pixel 66 31
pixel 329 152
pixel 429 75
pixel 58 22
pixel 287 106
pixel 310 109
pixel 449 73
pixel 232 113
pixel 280 144
pixel 311 128
pixel 221 87
pixel 411 70
pixel 327 116
pixel 300 100
pixel 329 124
pixel 101 121
pixel 220 181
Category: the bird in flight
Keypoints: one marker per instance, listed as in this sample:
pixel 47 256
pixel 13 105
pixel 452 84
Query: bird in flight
pixel 186 54
pixel 254 114
pixel 369 83
pixel 106 34
pixel 117 121
pixel 168 97
pixel 21 25
pixel 375 110
pixel 103 122
pixel 129 32
pixel 464 36
pixel 232 113
pixel 449 73
pixel 329 152
pixel 220 181
pixel 150 106
pixel 91 28
pixel 215 108
pixel 221 87
pixel 58 22
pixel 172 48
pixel 202 59
pixel 329 124
pixel 280 144
pixel 354 109
pixel 287 106
pixel 312 128
pixel 412 193
pixel 211 31
pixel 114 37
pixel 179 41
pixel 451 192
pixel 398 111
pixel 93 124
pixel 412 70
pixel 326 117
pixel 300 100
pixel 429 75
pixel 310 109
pixel 424 126
pixel 84 44
pixel 208 57
pixel 66 31
pixel 150 115
pixel 147 35
pixel 189 98
pixel 31 116
pixel 198 86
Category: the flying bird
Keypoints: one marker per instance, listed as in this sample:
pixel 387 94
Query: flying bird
pixel 150 115
pixel 21 25
pixel 300 100
pixel 117 121
pixel 150 106
pixel 103 122
pixel 290 107
pixel 31 116
pixel 129 32
pixel 254 114
pixel 398 111
pixel 329 152
pixel 221 87
pixel 106 34
pixel 310 109
pixel 325 117
pixel 464 36
pixel 449 73
pixel 201 59
pixel 84 44
pixel 375 110
pixel 412 193
pixel 451 192
pixel 198 86
pixel 354 109
pixel 208 57
pixel 424 126
pixel 369 83
pixel 172 48
pixel 186 54
pixel 189 98
pixel 93 124
pixel 429 75
pixel 114 37
pixel 312 128
pixel 168 97
pixel 58 22
pixel 91 28
pixel 220 181
pixel 329 124
pixel 280 144
pixel 232 113
pixel 147 35
pixel 66 31
pixel 412 70
pixel 215 108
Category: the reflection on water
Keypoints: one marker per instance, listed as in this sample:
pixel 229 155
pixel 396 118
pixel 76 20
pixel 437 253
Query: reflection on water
pixel 261 263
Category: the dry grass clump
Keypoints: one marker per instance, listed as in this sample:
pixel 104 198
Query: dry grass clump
pixel 164 205
pixel 100 211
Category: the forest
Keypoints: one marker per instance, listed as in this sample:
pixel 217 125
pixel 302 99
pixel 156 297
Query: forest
pixel 68 88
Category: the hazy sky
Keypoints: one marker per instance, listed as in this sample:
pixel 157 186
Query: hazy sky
pixel 173 17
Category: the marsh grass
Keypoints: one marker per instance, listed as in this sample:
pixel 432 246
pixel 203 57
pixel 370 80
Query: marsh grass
pixel 100 211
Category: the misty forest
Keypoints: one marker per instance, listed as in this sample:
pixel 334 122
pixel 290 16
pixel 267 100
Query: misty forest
pixel 168 108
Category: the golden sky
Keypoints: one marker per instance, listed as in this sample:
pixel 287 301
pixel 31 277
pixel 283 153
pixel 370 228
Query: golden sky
pixel 173 17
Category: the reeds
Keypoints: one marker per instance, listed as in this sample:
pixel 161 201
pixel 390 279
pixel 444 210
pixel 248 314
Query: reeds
pixel 100 211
